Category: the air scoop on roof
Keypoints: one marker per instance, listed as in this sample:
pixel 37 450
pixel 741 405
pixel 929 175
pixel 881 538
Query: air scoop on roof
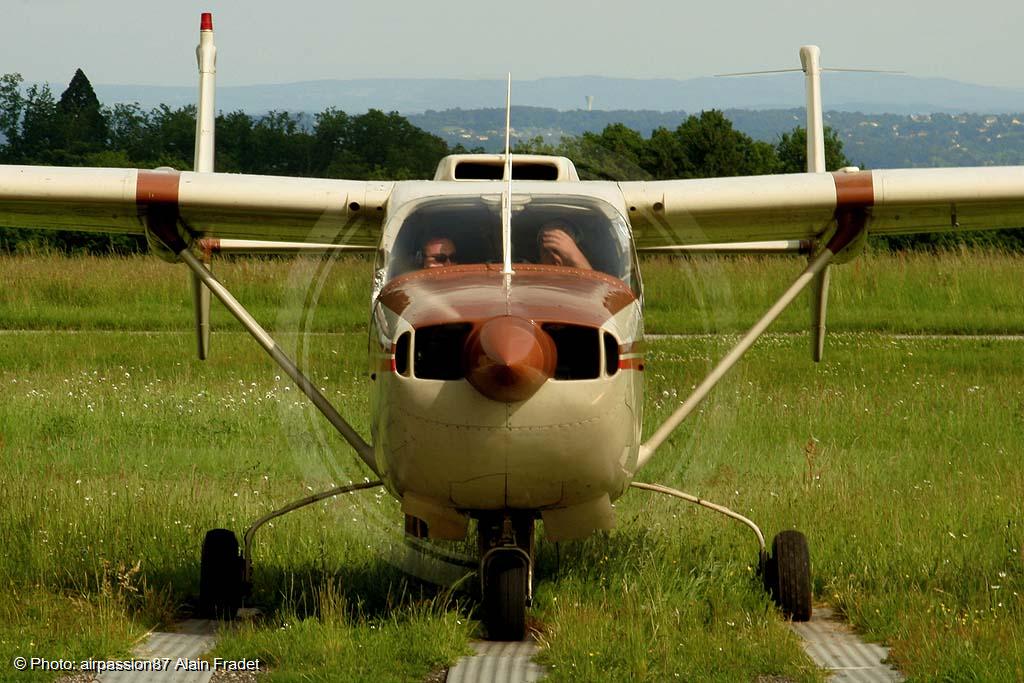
pixel 492 167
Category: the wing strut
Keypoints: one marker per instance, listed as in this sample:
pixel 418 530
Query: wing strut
pixel 206 56
pixel 851 223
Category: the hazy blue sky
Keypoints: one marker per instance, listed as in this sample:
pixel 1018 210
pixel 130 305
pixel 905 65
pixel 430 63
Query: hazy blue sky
pixel 263 41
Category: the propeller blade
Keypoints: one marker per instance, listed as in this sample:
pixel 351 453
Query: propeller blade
pixel 757 73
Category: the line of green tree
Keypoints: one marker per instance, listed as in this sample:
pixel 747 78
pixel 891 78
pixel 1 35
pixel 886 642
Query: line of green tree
pixel 707 145
pixel 704 145
pixel 77 130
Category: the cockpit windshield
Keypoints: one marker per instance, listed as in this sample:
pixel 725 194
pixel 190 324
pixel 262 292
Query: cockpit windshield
pixel 583 232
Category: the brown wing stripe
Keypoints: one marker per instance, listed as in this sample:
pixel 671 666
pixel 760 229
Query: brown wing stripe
pixel 854 189
pixel 156 196
pixel 157 187
pixel 855 195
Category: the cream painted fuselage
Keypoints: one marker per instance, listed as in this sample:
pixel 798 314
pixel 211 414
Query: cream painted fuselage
pixel 450 445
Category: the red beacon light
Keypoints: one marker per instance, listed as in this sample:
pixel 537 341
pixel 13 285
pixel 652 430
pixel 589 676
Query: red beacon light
pixel 206 22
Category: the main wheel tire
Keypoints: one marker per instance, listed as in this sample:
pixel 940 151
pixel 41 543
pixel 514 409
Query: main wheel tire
pixel 220 575
pixel 505 593
pixel 788 575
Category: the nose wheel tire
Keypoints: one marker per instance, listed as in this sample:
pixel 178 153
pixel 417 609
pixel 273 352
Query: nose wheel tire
pixel 787 575
pixel 221 580
pixel 504 599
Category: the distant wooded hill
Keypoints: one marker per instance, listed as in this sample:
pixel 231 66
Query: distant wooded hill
pixel 866 92
pixel 885 120
pixel 75 129
pixel 869 140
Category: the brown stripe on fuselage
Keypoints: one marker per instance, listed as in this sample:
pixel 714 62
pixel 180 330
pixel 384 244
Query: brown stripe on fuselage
pixel 855 189
pixel 473 293
pixel 631 364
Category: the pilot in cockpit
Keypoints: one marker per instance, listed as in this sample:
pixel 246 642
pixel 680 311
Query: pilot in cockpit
pixel 437 251
pixel 557 243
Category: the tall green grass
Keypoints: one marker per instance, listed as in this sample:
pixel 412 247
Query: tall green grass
pixel 55 292
pixel 949 292
pixel 117 458
pixel 900 458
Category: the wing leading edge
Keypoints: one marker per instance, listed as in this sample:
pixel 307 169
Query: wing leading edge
pixel 803 206
pixel 663 213
pixel 206 204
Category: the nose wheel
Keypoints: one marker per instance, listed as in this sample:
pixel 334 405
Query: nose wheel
pixel 506 574
pixel 505 595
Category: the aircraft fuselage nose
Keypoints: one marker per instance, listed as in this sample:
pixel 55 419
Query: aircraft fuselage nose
pixel 508 358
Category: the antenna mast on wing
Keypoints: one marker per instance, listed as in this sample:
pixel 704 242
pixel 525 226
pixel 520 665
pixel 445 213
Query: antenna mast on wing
pixel 206 56
pixel 506 195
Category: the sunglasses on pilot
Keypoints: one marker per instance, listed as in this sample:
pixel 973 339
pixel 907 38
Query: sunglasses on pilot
pixel 441 258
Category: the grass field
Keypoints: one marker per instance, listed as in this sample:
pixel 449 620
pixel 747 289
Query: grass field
pixel 955 292
pixel 900 458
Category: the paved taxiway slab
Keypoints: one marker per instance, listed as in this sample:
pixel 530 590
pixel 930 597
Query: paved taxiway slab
pixel 191 639
pixel 831 643
pixel 834 647
pixel 498 662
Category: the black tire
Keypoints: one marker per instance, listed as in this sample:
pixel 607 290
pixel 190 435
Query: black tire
pixel 220 575
pixel 787 575
pixel 505 598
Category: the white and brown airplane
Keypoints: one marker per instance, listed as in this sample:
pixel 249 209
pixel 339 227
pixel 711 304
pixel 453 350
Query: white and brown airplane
pixel 506 332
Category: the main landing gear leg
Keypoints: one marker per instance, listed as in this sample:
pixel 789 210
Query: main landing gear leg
pixel 225 576
pixel 506 573
pixel 786 572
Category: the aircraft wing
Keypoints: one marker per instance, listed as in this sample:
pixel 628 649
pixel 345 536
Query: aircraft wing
pixel 803 206
pixel 208 204
pixel 663 213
